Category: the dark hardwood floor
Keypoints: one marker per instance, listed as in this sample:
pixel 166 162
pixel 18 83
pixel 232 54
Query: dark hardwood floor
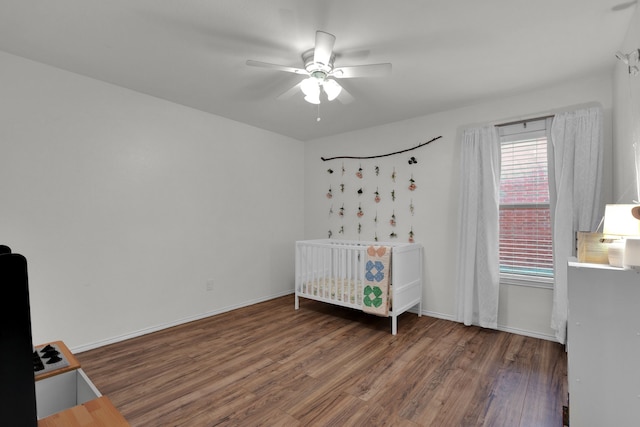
pixel 270 365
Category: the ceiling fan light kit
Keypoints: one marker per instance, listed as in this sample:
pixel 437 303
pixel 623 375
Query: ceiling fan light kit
pixel 319 67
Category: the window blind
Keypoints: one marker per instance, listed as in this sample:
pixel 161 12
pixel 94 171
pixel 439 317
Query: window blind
pixel 525 218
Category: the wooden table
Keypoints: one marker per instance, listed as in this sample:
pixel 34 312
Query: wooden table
pixel 98 412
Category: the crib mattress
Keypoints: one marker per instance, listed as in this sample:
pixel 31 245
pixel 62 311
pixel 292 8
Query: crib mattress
pixel 343 290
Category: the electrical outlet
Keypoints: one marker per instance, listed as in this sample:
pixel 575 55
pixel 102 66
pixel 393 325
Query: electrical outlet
pixel 209 285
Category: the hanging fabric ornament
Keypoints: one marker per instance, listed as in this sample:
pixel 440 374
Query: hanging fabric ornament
pixel 330 233
pixel 331 210
pixel 393 195
pixel 377 196
pixel 360 191
pixel 411 235
pixel 359 213
pixel 329 193
pixel 392 221
pixel 342 188
pixel 393 235
pixel 411 209
pixel 375 237
pixel 341 211
pixel 359 173
pixel 330 170
pixel 375 218
pixel 412 183
pixel 377 169
pixel 359 228
pixel 341 231
pixel 343 169
pixel 393 175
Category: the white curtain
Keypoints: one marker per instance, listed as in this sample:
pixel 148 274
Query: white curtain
pixel 478 275
pixel 576 153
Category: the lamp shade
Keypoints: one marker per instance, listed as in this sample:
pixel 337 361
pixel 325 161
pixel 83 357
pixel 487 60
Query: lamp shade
pixel 310 86
pixel 332 89
pixel 312 99
pixel 619 220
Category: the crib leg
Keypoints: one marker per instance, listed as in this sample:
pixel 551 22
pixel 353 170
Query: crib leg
pixel 394 325
pixel 297 303
pixel 420 308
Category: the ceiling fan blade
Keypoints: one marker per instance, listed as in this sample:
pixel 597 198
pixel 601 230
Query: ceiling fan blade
pixel 345 97
pixel 324 47
pixel 371 70
pixel 290 92
pixel 276 67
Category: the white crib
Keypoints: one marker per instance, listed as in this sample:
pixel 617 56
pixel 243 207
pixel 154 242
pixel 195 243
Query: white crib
pixel 333 271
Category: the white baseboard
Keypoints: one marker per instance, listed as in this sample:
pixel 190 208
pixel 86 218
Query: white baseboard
pixel 438 315
pixel 141 332
pixel 138 333
pixel 502 328
pixel 526 333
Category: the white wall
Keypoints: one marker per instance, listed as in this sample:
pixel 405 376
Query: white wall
pixel 522 309
pixel 627 119
pixel 126 205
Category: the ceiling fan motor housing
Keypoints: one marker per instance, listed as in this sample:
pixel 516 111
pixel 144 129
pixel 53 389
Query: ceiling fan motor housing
pixel 317 70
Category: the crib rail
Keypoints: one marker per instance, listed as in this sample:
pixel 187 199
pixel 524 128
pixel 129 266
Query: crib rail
pixel 331 272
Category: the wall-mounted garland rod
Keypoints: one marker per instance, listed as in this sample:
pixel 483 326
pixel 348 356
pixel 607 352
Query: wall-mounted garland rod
pixel 381 155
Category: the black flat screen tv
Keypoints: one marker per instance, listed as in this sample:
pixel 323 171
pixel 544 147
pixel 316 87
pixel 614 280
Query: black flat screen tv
pixel 17 384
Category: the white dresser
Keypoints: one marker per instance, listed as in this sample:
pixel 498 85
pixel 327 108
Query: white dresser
pixel 603 344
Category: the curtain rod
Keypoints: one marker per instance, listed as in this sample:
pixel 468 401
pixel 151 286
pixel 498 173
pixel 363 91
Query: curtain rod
pixel 517 122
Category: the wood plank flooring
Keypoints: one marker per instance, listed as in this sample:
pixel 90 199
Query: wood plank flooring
pixel 270 365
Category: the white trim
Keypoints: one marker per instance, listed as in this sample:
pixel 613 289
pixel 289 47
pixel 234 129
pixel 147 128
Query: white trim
pixel 526 333
pixel 438 315
pixel 501 328
pixel 141 332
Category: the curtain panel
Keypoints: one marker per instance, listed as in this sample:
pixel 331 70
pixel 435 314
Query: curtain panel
pixel 576 157
pixel 478 273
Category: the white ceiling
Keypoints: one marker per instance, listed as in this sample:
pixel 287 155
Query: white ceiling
pixel 445 53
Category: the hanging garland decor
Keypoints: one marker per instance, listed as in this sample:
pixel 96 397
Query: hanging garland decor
pixel 381 155
pixel 372 191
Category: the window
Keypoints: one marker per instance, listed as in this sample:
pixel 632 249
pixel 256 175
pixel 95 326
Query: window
pixel 526 255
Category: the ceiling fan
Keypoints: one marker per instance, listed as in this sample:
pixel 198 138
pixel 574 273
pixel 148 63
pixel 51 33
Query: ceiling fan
pixel 321 73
